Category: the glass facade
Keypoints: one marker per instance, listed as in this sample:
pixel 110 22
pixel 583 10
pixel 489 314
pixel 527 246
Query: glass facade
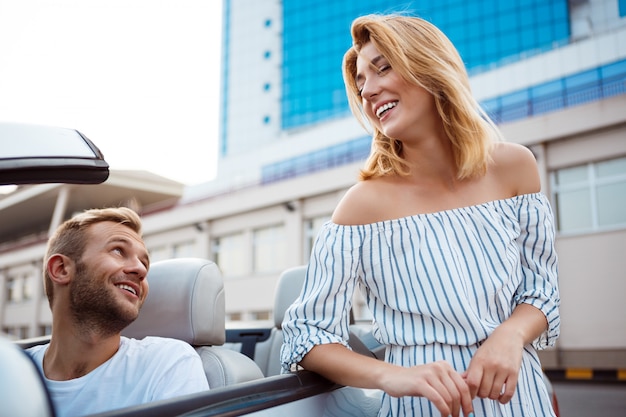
pixel 330 157
pixel 487 33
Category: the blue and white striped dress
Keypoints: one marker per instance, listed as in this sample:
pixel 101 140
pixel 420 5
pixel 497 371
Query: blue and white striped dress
pixel 437 285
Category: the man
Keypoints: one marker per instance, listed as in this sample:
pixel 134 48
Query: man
pixel 95 279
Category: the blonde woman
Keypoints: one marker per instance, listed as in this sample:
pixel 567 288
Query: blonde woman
pixel 447 235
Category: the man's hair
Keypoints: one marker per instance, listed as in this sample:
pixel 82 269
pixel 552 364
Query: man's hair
pixel 422 55
pixel 70 237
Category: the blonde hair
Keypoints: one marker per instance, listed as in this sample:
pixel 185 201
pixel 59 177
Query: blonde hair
pixel 70 237
pixel 422 55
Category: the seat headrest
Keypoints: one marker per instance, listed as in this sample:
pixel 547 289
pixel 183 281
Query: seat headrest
pixel 288 288
pixel 185 301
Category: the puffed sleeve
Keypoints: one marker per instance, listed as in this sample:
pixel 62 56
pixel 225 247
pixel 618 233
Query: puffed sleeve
pixel 539 286
pixel 320 314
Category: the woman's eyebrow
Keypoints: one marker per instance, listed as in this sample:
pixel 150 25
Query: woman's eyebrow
pixel 372 63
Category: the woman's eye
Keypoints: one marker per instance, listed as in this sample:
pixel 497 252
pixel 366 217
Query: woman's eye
pixel 384 68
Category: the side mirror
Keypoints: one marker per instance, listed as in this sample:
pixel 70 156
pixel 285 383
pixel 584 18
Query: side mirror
pixel 32 154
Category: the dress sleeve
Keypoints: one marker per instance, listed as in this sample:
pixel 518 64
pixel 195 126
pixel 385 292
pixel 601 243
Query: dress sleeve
pixel 320 315
pixel 539 286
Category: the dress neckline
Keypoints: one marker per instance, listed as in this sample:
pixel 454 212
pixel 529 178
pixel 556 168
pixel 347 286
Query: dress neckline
pixel 490 203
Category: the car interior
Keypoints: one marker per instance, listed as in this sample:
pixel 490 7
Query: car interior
pixel 186 302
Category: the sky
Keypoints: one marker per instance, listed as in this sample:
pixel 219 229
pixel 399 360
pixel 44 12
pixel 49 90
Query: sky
pixel 140 78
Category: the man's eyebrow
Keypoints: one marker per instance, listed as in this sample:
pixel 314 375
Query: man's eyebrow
pixel 117 239
pixel 126 241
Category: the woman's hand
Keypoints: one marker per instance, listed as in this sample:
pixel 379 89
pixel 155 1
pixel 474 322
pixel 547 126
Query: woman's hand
pixel 494 369
pixel 437 381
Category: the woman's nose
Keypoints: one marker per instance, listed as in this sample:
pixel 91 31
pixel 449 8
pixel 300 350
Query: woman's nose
pixel 370 89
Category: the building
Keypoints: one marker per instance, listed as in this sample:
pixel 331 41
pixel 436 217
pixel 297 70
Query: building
pixel 552 74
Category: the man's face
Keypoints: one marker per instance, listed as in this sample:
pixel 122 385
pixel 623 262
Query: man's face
pixel 110 284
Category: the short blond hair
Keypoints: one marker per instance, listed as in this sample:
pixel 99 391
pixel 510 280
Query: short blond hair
pixel 70 237
pixel 422 55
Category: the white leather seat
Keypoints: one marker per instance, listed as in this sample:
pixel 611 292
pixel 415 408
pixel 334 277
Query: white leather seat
pixel 186 302
pixel 22 390
pixel 288 288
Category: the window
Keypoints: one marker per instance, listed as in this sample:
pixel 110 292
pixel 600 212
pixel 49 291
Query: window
pixel 20 288
pixel 45 330
pixel 590 197
pixel 184 249
pixel 233 316
pixel 229 254
pixel 311 229
pixel 17 332
pixel 12 293
pixel 159 253
pixel 260 315
pixel 28 287
pixel 270 249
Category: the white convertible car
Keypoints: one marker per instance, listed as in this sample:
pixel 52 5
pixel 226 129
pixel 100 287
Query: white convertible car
pixel 186 302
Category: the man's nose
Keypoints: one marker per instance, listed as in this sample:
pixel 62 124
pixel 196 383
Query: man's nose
pixel 137 267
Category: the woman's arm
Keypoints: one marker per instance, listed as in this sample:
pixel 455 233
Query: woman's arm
pixel 437 381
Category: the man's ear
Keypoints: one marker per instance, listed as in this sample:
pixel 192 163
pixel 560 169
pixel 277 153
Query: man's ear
pixel 60 269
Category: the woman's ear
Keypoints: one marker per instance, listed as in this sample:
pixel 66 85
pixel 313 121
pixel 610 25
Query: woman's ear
pixel 60 269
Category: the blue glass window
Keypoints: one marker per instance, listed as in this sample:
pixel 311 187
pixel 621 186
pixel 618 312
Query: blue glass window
pixel 487 33
pixel 606 81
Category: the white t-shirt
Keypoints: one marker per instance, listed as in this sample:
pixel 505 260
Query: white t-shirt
pixel 141 371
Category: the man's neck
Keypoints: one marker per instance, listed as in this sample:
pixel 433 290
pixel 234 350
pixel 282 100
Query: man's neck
pixel 73 354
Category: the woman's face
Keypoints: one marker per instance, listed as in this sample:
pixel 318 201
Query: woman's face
pixel 397 108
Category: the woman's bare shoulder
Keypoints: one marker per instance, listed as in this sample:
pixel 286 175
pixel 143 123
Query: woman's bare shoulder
pixel 358 205
pixel 516 166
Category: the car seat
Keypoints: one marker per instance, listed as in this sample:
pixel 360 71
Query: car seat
pixel 22 390
pixel 288 288
pixel 186 302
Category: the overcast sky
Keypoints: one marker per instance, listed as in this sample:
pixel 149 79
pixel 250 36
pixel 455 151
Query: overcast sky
pixel 140 78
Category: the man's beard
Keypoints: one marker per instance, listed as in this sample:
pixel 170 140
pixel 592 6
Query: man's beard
pixel 94 307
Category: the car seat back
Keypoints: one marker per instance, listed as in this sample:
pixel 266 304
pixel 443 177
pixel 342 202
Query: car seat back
pixel 288 288
pixel 186 302
pixel 22 389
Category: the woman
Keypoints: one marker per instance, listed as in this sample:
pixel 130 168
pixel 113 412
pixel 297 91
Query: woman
pixel 447 235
